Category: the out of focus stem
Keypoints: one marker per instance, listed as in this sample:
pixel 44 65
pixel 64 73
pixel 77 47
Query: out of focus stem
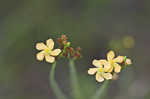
pixel 74 81
pixel 102 91
pixel 54 85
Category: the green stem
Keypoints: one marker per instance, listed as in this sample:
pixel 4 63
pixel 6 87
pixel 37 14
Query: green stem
pixel 74 80
pixel 100 94
pixel 54 85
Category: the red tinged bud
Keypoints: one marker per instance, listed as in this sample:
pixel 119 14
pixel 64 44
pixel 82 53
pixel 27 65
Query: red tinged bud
pixel 79 49
pixel 59 40
pixel 64 42
pixel 77 55
pixel 64 37
pixel 68 51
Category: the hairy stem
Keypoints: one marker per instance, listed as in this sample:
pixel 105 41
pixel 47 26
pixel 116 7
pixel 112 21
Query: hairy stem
pixel 74 80
pixel 54 85
pixel 100 94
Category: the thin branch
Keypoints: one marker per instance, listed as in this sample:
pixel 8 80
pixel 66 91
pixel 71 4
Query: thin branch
pixel 74 80
pixel 100 94
pixel 54 85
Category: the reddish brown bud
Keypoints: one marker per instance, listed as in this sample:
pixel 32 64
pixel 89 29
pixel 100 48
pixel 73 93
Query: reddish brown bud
pixel 71 50
pixel 77 55
pixel 65 54
pixel 59 40
pixel 67 50
pixel 79 49
pixel 64 42
pixel 64 37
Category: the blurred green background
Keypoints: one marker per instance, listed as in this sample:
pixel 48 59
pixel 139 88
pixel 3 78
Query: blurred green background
pixel 95 25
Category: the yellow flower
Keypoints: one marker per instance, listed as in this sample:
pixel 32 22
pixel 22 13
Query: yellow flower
pixel 47 51
pixel 112 62
pixel 128 61
pixel 99 71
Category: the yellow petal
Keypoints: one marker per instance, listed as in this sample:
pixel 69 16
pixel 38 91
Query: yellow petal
pixel 49 59
pixel 110 55
pixel 92 71
pixel 119 59
pixel 50 43
pixel 40 56
pixel 99 78
pixel 55 52
pixel 40 46
pixel 117 68
pixel 128 61
pixel 108 67
pixel 107 76
pixel 110 70
pixel 103 61
pixel 97 63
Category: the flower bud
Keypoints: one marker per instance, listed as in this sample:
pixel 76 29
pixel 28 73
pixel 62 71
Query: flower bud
pixel 128 62
pixel 79 49
pixel 59 40
pixel 115 76
pixel 68 44
pixel 64 37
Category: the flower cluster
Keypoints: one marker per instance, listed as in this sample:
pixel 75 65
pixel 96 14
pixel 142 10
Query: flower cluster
pixel 105 69
pixel 51 54
pixel 68 51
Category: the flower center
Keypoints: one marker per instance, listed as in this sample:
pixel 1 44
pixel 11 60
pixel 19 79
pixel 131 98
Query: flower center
pixel 101 70
pixel 112 62
pixel 47 50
